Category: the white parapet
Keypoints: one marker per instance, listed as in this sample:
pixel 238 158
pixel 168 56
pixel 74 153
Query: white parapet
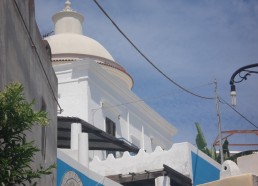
pixel 248 164
pixel 245 165
pixel 228 169
pixel 180 158
pixel 143 161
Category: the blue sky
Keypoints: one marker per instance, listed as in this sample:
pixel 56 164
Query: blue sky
pixel 193 42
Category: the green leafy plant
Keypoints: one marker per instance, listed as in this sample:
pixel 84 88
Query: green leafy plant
pixel 16 154
pixel 202 145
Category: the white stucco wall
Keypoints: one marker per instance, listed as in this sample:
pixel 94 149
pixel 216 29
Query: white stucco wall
pixel 179 157
pixel 72 91
pixel 248 164
pixel 87 91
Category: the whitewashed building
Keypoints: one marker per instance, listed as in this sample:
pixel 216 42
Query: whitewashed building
pixel 95 88
pixel 96 95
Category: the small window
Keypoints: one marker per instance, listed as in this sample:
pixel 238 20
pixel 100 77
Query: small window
pixel 110 127
pixel 111 130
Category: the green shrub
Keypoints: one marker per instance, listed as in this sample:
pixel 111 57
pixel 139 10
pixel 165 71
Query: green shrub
pixel 16 153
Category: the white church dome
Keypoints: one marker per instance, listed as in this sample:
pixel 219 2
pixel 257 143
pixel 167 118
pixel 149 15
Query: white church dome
pixel 74 46
pixel 69 44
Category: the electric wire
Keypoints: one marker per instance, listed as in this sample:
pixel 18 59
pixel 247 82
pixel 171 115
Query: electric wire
pixel 224 102
pixel 141 100
pixel 164 95
pixel 146 58
pixel 37 54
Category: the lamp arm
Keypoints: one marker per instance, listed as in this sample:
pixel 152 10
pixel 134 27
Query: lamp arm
pixel 244 68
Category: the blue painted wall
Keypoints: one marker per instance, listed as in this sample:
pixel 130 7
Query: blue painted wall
pixel 203 171
pixel 63 168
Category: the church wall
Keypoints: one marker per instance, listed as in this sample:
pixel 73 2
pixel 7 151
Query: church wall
pixel 139 125
pixel 19 62
pixel 72 90
pixel 84 87
pixel 73 98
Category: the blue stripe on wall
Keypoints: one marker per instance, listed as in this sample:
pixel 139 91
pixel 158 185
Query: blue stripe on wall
pixel 203 171
pixel 63 168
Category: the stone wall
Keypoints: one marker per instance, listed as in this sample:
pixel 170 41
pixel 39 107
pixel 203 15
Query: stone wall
pixel 24 59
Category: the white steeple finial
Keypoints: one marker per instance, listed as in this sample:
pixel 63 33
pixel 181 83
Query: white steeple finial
pixel 68 6
pixel 68 20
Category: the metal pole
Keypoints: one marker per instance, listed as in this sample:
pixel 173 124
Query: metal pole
pixel 219 126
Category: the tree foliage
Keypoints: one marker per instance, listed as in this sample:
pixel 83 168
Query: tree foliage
pixel 16 153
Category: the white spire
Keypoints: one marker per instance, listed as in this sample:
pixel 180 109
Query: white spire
pixel 68 6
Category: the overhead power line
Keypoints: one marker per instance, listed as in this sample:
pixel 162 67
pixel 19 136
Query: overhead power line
pixel 223 101
pixel 160 71
pixel 149 98
pixel 146 58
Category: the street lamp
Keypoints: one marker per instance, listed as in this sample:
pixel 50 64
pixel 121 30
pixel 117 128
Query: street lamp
pixel 233 94
pixel 247 72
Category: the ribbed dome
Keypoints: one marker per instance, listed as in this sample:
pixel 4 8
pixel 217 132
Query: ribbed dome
pixel 69 44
